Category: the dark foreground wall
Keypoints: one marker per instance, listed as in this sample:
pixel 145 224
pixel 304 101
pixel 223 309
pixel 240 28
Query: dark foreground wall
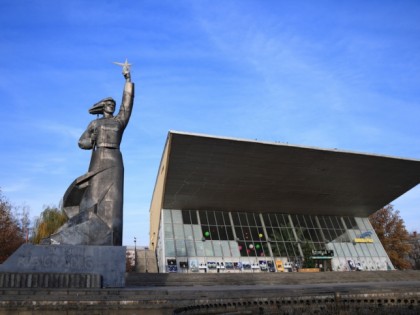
pixel 396 295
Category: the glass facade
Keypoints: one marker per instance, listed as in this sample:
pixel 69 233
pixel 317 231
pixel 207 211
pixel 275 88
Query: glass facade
pixel 216 241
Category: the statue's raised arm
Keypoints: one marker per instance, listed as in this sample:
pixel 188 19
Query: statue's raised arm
pixel 128 94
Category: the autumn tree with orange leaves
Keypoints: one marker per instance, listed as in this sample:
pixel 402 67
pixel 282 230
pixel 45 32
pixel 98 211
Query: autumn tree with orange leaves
pixel 12 230
pixel 390 228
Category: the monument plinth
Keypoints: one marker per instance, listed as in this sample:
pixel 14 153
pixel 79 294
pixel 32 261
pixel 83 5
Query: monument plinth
pixel 70 259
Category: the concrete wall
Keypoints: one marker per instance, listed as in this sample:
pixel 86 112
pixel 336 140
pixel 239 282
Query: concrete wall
pixel 215 300
pixel 146 261
pixel 157 198
pixel 49 280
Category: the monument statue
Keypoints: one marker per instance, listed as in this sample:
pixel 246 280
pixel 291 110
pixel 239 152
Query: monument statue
pixel 94 201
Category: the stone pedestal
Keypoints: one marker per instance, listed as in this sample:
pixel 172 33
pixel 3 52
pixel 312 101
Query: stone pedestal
pixel 106 261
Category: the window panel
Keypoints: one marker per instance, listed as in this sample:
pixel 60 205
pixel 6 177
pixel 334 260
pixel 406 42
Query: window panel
pixel 352 223
pixel 257 219
pixel 242 249
pixel 177 216
pixel 239 234
pixel 194 219
pixel 169 248
pixel 217 249
pixel 274 221
pixel 295 220
pixel 310 221
pixel 288 235
pixel 179 231
pixel 203 217
pixel 214 233
pixel 229 233
pixel 219 218
pixel 199 246
pixel 222 233
pixel 242 217
pixel 226 218
pixel 168 230
pixel 225 249
pixel 190 248
pixel 302 221
pixel 251 219
pixel 235 218
pixel 327 235
pixel 208 248
pixel 247 233
pixel 167 216
pixel 250 249
pixel 283 250
pixel 181 250
pixel 198 234
pixel 322 222
pixel 337 223
pixel 186 217
pixel 266 219
pixel 286 221
pixel 188 232
pixel 234 249
pixel 254 233
pixel 211 218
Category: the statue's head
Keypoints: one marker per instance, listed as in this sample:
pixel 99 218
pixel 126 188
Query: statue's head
pixel 105 106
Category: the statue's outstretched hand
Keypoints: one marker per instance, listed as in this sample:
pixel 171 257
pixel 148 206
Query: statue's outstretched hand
pixel 126 74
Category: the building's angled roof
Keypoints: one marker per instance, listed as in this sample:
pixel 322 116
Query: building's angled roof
pixel 204 172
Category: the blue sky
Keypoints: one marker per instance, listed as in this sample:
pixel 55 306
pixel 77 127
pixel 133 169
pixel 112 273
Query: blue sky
pixel 330 74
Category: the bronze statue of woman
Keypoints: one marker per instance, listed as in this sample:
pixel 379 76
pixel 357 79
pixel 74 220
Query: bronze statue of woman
pixel 94 201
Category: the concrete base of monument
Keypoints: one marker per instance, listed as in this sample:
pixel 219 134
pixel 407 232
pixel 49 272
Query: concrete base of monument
pixel 106 261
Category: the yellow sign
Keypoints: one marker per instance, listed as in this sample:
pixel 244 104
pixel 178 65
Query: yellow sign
pixel 279 265
pixel 363 240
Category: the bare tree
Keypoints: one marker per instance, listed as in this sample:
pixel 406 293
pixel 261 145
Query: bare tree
pixel 414 254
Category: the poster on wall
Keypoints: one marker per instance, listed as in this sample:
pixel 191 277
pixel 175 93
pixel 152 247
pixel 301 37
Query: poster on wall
pixel 279 265
pixel 229 265
pixel 193 265
pixel 211 265
pixel 246 265
pixel 352 265
pixel 172 267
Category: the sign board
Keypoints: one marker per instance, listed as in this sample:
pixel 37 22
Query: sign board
pixel 363 240
pixel 323 252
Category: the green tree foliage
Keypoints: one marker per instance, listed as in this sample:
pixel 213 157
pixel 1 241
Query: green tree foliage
pixel 12 230
pixel 308 262
pixel 390 228
pixel 48 222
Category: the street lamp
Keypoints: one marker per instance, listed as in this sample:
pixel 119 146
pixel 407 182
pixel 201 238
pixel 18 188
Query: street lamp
pixel 135 254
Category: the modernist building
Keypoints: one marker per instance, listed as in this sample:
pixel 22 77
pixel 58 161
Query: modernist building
pixel 229 205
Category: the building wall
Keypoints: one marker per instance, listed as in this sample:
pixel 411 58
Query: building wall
pixel 215 241
pixel 156 204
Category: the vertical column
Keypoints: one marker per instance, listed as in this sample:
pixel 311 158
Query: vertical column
pixel 295 235
pixel 266 236
pixel 320 229
pixel 233 226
